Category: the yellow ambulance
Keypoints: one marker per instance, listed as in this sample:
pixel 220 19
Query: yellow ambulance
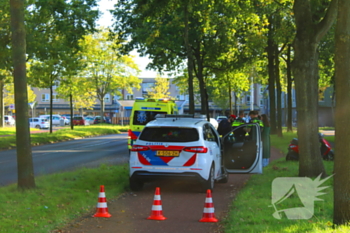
pixel 144 111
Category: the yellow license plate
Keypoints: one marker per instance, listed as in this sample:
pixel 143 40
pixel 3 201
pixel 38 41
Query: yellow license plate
pixel 170 153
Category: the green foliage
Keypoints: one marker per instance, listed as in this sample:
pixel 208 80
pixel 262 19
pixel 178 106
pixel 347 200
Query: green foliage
pixel 59 198
pixel 106 70
pixel 161 89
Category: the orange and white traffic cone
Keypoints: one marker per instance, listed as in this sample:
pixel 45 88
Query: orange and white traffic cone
pixel 102 209
pixel 208 212
pixel 157 212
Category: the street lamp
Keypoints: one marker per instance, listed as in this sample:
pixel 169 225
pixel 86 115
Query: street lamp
pixel 32 106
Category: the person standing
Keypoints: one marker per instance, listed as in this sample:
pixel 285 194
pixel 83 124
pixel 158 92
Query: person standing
pixel 225 125
pixel 265 135
pixel 239 133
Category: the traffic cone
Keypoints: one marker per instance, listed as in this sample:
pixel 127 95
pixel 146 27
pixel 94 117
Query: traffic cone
pixel 157 212
pixel 101 209
pixel 208 212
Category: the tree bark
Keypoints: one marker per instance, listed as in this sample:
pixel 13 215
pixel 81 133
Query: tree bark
pixel 271 80
pixel 191 105
pixel 24 150
pixel 289 91
pixel 279 92
pixel 2 120
pixel 305 67
pixel 341 213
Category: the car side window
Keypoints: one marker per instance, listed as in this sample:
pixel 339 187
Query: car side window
pixel 208 133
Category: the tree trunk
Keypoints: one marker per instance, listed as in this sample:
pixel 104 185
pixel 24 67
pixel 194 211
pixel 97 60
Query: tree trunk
pixel 271 80
pixel 289 92
pixel 51 105
pixel 2 120
pixel 191 106
pixel 25 168
pixel 279 92
pixel 71 111
pixel 341 213
pixel 305 67
pixel 306 82
pixel 102 109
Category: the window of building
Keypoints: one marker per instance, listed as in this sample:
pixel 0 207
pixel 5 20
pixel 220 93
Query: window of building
pixel 247 99
pixel 107 98
pixel 261 102
pixel 45 97
pixel 54 98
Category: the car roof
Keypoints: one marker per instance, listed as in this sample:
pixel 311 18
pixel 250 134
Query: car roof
pixel 177 121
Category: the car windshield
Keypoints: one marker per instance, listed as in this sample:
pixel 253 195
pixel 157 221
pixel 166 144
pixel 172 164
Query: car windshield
pixel 169 134
pixel 143 117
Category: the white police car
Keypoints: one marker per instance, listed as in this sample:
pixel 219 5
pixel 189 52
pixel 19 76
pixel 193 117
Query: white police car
pixel 189 147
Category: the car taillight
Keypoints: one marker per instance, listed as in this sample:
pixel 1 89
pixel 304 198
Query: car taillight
pixel 196 149
pixel 139 148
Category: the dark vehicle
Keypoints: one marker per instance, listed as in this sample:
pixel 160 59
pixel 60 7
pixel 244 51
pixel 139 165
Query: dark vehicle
pixel 326 149
pixel 78 120
pixel 97 120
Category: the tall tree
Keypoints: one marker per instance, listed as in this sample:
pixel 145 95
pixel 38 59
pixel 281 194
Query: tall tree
pixel 204 32
pixel 107 71
pixel 24 150
pixel 312 20
pixel 341 214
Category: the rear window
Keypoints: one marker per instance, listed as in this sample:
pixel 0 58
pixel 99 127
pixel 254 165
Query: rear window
pixel 78 118
pixel 143 117
pixel 169 134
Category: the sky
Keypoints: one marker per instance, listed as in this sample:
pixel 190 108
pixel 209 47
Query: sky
pixel 106 20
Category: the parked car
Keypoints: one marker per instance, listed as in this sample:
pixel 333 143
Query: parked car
pixel 187 147
pixel 9 120
pixel 220 118
pixel 89 120
pixel 66 120
pixel 97 119
pixel 39 123
pixel 56 119
pixel 78 120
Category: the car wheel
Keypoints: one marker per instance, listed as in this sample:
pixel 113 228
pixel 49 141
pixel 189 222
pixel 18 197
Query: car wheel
pixel 135 185
pixel 292 156
pixel 209 184
pixel 329 156
pixel 37 126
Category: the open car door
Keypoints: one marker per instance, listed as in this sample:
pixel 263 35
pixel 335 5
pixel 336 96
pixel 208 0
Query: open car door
pixel 242 149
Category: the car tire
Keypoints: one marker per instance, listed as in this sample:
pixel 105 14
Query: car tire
pixel 37 126
pixel 292 156
pixel 135 185
pixel 209 184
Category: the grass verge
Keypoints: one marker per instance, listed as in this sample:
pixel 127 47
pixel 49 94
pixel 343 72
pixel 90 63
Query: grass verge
pixel 252 210
pixel 66 133
pixel 58 198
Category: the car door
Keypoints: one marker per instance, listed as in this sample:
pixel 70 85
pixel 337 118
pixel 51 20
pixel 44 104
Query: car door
pixel 242 149
pixel 213 141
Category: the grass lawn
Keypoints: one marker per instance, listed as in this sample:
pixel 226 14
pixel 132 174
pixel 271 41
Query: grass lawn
pixel 252 210
pixel 61 197
pixel 60 135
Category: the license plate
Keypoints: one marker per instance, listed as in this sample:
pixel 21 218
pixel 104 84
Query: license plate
pixel 170 153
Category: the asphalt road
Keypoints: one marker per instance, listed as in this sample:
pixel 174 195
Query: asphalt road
pixel 56 157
